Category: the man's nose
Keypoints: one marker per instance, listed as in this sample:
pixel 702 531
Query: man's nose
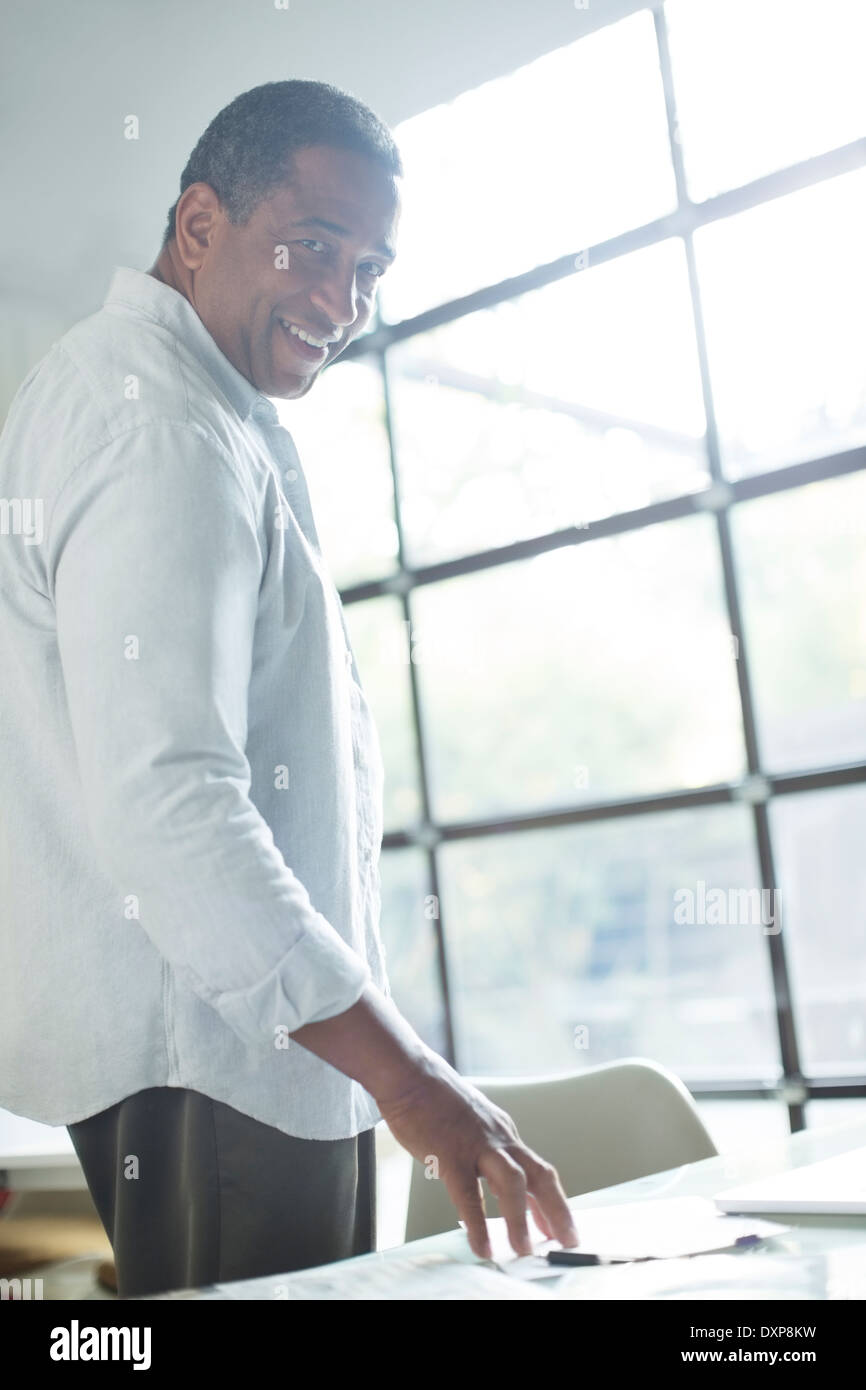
pixel 336 299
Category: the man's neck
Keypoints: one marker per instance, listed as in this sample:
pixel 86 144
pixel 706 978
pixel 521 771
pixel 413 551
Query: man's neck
pixel 169 271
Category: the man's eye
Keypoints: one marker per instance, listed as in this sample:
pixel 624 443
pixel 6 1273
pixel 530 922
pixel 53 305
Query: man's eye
pixel 377 270
pixel 311 241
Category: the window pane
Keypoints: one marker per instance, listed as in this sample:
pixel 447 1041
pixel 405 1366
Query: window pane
pixel 603 669
pixel 409 936
pixel 552 410
pixel 565 152
pixel 818 838
pixel 761 84
pixel 835 1114
pixel 803 578
pixel 339 430
pixel 784 296
pixel 737 1125
pixel 575 929
pixel 380 643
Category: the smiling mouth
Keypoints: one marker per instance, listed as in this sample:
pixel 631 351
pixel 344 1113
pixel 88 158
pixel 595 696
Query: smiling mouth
pixel 305 344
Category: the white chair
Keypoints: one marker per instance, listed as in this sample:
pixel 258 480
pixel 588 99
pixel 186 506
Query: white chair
pixel 605 1125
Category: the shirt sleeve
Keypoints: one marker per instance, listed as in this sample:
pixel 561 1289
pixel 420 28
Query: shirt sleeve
pixel 154 564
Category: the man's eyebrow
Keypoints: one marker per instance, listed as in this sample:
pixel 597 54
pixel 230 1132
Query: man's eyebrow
pixel 382 249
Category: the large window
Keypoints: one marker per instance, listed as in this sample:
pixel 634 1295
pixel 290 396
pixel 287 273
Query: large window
pixel 594 492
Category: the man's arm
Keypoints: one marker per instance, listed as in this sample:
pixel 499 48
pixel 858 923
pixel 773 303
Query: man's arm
pixel 153 563
pixel 430 1109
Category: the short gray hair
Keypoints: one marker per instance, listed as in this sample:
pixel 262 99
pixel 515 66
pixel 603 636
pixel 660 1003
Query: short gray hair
pixel 247 151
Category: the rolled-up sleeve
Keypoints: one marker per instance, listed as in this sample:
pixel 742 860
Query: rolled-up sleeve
pixel 154 563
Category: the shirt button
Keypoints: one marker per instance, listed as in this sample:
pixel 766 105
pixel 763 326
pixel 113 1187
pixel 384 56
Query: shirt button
pixel 291 475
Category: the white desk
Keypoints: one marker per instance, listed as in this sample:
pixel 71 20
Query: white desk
pixel 37 1157
pixel 810 1236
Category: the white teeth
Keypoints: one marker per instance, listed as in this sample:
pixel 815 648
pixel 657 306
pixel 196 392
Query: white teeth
pixel 303 334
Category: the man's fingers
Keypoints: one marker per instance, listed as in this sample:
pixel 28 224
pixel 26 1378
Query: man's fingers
pixel 469 1201
pixel 539 1218
pixel 508 1184
pixel 549 1199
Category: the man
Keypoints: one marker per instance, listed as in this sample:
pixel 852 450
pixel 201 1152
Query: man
pixel 192 976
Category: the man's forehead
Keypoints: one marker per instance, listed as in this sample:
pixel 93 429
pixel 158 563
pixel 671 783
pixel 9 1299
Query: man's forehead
pixel 343 182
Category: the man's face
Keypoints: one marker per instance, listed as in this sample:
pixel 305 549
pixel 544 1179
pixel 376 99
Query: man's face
pixel 335 224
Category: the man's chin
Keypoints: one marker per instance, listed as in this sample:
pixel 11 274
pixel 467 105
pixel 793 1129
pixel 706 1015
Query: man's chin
pixel 303 384
pixel 289 388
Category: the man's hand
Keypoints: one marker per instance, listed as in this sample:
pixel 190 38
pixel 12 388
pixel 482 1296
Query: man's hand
pixel 431 1109
pixel 445 1116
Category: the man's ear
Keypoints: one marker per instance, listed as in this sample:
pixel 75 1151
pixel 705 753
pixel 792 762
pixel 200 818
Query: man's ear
pixel 197 220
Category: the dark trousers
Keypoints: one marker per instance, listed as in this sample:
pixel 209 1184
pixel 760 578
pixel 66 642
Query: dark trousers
pixel 192 1192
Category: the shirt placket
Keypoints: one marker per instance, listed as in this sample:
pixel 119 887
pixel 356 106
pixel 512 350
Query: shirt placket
pixel 291 473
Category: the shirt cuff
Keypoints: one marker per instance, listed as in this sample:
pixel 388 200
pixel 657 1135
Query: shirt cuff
pixel 318 978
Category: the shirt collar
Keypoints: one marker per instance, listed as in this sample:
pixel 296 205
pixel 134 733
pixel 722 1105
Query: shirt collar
pixel 136 290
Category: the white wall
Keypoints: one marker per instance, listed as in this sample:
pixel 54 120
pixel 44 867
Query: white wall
pixel 79 198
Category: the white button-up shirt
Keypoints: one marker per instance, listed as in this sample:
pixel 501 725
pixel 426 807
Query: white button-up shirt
pixel 190 777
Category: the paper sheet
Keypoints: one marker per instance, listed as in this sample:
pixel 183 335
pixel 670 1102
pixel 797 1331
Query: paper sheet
pixel 424 1277
pixel 765 1276
pixel 665 1229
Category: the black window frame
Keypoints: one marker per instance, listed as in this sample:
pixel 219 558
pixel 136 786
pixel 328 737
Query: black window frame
pixel 758 788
